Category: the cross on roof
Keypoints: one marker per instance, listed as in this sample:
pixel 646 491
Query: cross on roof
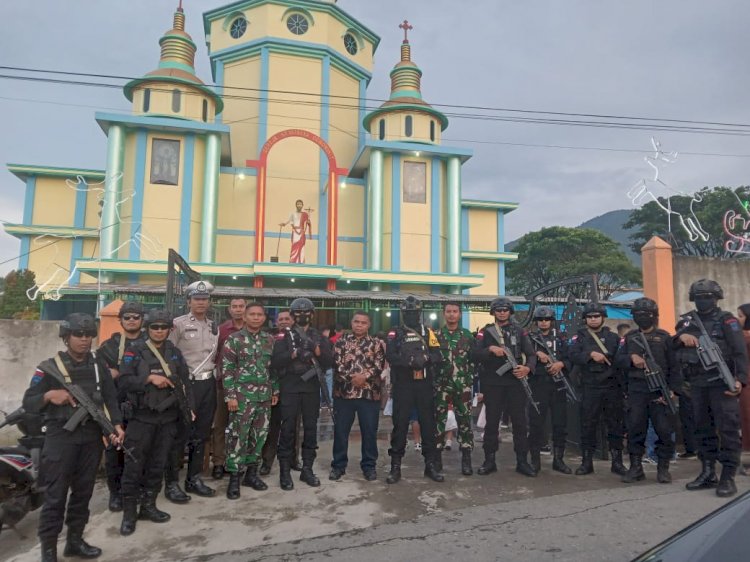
pixel 406 27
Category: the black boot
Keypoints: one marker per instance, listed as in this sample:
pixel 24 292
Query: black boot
pixel 49 550
pixel 251 479
pixel 587 464
pixel 438 462
pixel 174 493
pixel 466 462
pixel 218 472
pixel 76 546
pixel 662 472
pixel 395 473
pixel 635 472
pixel 233 490
pixel 488 465
pixel 536 460
pixel 195 485
pixel 617 466
pixel 285 475
pixel 149 511
pixel 431 472
pixel 706 479
pixel 558 462
pixel 265 469
pixel 115 502
pixel 727 487
pixel 523 467
pixel 129 515
pixel 307 475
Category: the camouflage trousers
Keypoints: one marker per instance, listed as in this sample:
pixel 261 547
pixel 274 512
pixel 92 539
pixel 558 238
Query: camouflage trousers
pixel 455 393
pixel 246 434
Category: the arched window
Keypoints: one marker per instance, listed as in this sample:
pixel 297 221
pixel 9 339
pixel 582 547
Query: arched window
pixel 176 100
pixel 205 111
pixel 408 126
pixel 381 129
pixel 432 131
pixel 146 100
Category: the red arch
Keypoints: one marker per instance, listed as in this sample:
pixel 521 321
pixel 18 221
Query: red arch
pixel 334 172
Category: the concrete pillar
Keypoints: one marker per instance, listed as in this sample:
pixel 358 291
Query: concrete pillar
pixel 375 220
pixel 453 254
pixel 210 198
pixel 110 225
pixel 658 280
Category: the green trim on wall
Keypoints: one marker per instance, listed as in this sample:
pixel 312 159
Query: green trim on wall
pixel 50 230
pixel 479 204
pixel 23 171
pixel 407 107
pixel 479 255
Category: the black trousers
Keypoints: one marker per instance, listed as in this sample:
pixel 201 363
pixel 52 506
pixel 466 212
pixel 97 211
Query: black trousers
pixel 291 403
pixel 114 464
pixel 549 399
pixel 69 464
pixel 607 403
pixel 688 424
pixel 642 407
pixel 510 399
pixel 195 436
pixel 717 425
pixel 406 397
pixel 151 443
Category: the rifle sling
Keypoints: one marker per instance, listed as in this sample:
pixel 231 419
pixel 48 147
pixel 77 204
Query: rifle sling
pixel 164 365
pixel 598 341
pixel 121 349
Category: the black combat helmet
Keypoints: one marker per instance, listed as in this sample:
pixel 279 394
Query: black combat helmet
pixel 645 305
pixel 78 322
pixel 302 310
pixel 131 307
pixel 501 302
pixel 706 287
pixel 411 303
pixel 594 308
pixel 158 316
pixel 411 311
pixel 544 313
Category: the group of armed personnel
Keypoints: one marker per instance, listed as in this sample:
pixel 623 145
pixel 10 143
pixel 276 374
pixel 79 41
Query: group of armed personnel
pixel 162 384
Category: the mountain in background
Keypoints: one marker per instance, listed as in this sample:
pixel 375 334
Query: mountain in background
pixel 611 224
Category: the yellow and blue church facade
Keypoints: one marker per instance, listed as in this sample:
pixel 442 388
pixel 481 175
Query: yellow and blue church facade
pixel 282 151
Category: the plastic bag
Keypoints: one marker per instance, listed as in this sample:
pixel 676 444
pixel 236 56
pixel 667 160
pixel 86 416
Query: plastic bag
pixel 482 421
pixel 450 423
pixel 388 410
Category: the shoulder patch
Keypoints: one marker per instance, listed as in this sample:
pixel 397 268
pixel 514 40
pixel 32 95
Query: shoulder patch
pixel 480 334
pixel 733 324
pixel 280 336
pixel 392 334
pixel 38 376
pixel 524 333
pixel 128 357
pixel 574 338
pixel 622 341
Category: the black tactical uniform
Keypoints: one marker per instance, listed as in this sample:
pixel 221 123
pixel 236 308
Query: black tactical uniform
pixel 550 396
pixel 413 353
pixel 112 351
pixel 602 391
pixel 644 404
pixel 293 356
pixel 152 427
pixel 504 392
pixel 716 414
pixel 70 458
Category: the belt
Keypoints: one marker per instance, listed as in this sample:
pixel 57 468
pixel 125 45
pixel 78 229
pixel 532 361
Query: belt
pixel 202 376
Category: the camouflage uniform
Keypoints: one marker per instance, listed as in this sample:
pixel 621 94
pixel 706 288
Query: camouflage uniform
pixel 455 384
pixel 245 364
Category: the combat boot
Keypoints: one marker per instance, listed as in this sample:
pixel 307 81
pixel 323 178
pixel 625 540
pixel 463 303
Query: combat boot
pixel 174 493
pixel 662 472
pixel 129 515
pixel 195 485
pixel 727 487
pixel 706 479
pixel 49 550
pixel 558 462
pixel 438 463
pixel 395 473
pixel 523 467
pixel 251 479
pixel 115 502
pixel 488 465
pixel 233 489
pixel 307 475
pixel 587 464
pixel 617 466
pixel 635 472
pixel 76 546
pixel 536 460
pixel 466 462
pixel 431 472
pixel 149 511
pixel 265 469
pixel 285 475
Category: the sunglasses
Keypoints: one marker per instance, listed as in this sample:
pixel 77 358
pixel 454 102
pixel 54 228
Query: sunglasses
pixel 159 327
pixel 502 309
pixel 82 334
pixel 593 316
pixel 131 316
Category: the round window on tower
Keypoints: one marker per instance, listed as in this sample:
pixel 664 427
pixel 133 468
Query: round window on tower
pixel 238 28
pixel 297 24
pixel 350 44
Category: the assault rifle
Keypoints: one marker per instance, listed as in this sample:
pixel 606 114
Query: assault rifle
pixel 710 355
pixel 315 370
pixel 560 379
pixel 510 366
pixel 654 376
pixel 179 395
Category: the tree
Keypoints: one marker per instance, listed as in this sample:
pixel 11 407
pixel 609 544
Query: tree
pixel 14 303
pixel 710 206
pixel 555 253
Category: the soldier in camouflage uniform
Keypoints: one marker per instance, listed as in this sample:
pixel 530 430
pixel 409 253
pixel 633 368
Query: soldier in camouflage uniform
pixel 249 393
pixel 455 384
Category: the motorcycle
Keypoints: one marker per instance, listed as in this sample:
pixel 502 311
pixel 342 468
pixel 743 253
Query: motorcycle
pixel 20 492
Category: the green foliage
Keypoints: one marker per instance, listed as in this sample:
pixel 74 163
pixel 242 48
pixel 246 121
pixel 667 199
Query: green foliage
pixel 14 303
pixel 651 220
pixel 555 253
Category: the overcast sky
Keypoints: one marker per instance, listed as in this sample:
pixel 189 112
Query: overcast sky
pixel 676 59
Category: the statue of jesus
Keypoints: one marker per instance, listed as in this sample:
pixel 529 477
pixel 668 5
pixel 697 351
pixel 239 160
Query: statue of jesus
pixel 300 221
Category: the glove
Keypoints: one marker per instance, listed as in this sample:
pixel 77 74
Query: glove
pixel 305 355
pixel 308 345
